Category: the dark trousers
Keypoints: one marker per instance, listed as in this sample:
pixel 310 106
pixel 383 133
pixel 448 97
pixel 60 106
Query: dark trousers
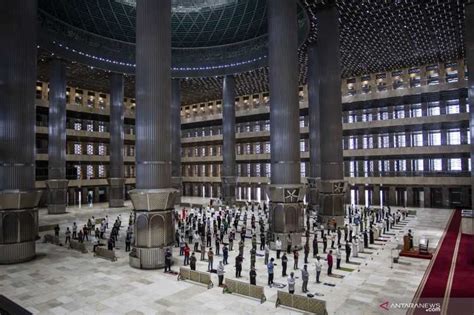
pixel 318 273
pixel 238 271
pixel 278 253
pixel 329 269
pixel 253 281
pixel 127 247
pixel 270 278
pixel 305 286
pixel 68 239
pixel 305 258
pixel 283 265
pixel 74 235
pixel 221 279
pixel 167 266
pixel 338 263
pixel 348 254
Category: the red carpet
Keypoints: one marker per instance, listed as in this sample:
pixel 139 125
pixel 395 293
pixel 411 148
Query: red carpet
pixel 463 280
pixel 416 254
pixel 435 284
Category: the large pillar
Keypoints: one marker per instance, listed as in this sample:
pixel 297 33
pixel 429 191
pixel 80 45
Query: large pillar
pixel 314 178
pixel 176 178
pixel 117 112
pixel 286 192
pixel 154 199
pixel 331 197
pixel 229 169
pixel 469 42
pixel 18 197
pixel 57 183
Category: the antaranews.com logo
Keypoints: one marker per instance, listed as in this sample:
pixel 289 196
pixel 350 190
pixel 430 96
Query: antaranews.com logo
pixel 427 307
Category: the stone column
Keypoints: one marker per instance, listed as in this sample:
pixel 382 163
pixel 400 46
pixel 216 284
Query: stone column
pixel 176 176
pixel 392 196
pixel 426 197
pixel 57 183
pixel 331 197
pixel 445 195
pixel 376 195
pixel 117 112
pixel 469 41
pixel 154 199
pixel 229 169
pixel 18 197
pixel 410 198
pixel 285 192
pixel 314 178
pixel 362 195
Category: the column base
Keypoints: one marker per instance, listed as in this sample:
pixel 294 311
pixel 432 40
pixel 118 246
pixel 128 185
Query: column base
pixel 286 213
pixel 57 195
pixel 177 183
pixel 313 194
pixel 154 226
pixel 116 192
pixel 229 183
pixel 331 202
pixel 19 216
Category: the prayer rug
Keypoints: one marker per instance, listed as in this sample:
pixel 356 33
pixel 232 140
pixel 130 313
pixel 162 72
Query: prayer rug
pixel 346 269
pixel 353 263
pixel 329 284
pixel 336 276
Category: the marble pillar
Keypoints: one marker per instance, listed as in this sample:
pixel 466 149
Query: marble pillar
pixel 286 193
pixel 376 196
pixel 333 186
pixel 410 197
pixel 176 178
pixel 229 169
pixel 314 178
pixel 361 194
pixel 392 196
pixel 153 199
pixel 469 42
pixel 18 196
pixel 57 183
pixel 117 112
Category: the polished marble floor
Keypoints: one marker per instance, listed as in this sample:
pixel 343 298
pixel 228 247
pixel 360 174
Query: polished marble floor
pixel 63 281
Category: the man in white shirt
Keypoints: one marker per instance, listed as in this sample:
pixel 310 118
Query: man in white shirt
pixel 291 283
pixel 278 247
pixel 338 257
pixel 319 267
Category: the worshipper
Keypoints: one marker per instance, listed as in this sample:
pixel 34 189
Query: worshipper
pixel 85 232
pixel 68 236
pixel 238 265
pixel 210 259
pixel 291 283
pixel 270 267
pixel 267 253
pixel 128 241
pixel 296 254
pixel 56 230
pixel 253 254
pixel 218 245
pixel 192 261
pixel 231 240
pixel 253 276
pixel 241 248
pixel 74 231
pixel 315 245
pixel 203 250
pixel 262 240
pixel 305 278
pixel 110 244
pixel 197 240
pixel 338 257
pixel 220 273
pixel 366 239
pixel 80 237
pixel 319 267
pixel 288 244
pixel 284 264
pixel 410 236
pixel 306 251
pixel 95 243
pixel 329 259
pixel 345 233
pixel 168 260
pixel 348 252
pixel 225 253
pixel 339 236
pixel 371 236
pixel 278 247
pixel 187 251
pixel 332 237
pixel 254 242
pixel 97 233
pixel 325 243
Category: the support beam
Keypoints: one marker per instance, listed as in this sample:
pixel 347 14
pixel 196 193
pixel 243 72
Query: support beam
pixel 154 199
pixel 176 178
pixel 331 197
pixel 469 42
pixel 117 112
pixel 286 193
pixel 18 197
pixel 229 170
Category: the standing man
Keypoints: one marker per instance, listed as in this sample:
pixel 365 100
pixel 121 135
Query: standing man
pixel 192 261
pixel 238 265
pixel 225 253
pixel 291 283
pixel 253 257
pixel 315 245
pixel 330 262
pixel 296 255
pixel 270 267
pixel 278 247
pixel 253 276
pixel 348 252
pixel 220 273
pixel 288 244
pixel 203 250
pixel 306 252
pixel 284 264
pixel 267 253
pixel 319 267
pixel 210 258
pixel 168 260
pixel 338 257
pixel 68 236
pixel 305 278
